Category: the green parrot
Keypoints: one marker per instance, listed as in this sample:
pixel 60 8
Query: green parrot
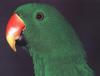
pixel 52 42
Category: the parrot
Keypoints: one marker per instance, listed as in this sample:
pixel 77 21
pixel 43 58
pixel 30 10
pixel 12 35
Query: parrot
pixel 52 42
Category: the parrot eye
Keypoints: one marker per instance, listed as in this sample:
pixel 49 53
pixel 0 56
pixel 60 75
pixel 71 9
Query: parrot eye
pixel 40 16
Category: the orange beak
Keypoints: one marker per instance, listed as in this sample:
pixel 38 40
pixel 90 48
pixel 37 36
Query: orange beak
pixel 13 30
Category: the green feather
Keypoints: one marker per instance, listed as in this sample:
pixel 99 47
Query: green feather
pixel 53 44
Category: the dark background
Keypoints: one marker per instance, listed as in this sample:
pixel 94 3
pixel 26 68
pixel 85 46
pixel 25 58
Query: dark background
pixel 84 15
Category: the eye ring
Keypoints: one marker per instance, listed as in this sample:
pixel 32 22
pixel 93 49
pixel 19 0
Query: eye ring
pixel 39 16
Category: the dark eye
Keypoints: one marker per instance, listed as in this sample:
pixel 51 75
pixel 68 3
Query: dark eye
pixel 40 16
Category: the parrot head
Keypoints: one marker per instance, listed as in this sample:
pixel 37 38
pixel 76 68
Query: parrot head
pixel 39 23
pixel 42 26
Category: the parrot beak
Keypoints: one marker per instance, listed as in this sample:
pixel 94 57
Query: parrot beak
pixel 14 28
